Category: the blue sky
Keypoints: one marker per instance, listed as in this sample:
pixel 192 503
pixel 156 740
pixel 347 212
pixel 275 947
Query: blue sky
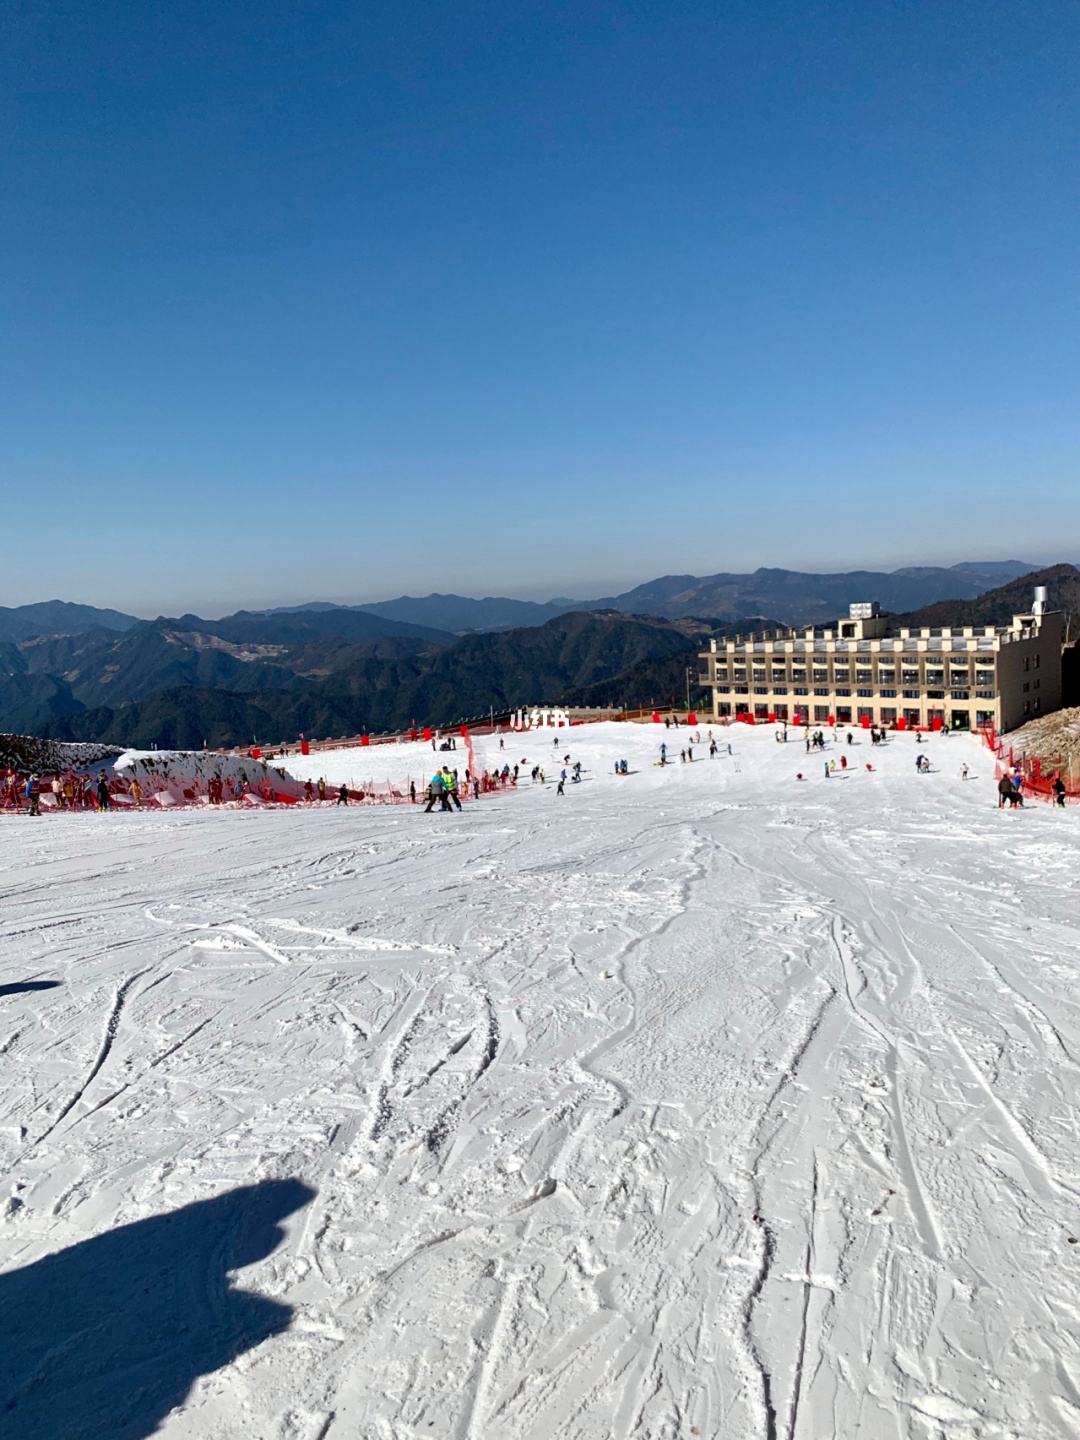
pixel 319 300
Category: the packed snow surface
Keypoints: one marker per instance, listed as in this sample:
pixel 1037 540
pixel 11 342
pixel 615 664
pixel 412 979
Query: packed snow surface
pixel 698 1102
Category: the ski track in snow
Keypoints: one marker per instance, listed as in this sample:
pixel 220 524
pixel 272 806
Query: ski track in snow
pixel 701 1102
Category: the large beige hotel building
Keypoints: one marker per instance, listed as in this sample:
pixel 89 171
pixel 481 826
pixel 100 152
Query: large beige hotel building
pixel 862 671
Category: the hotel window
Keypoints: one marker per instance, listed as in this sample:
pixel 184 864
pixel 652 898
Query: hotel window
pixel 864 694
pixel 888 694
pixel 864 677
pixel 843 692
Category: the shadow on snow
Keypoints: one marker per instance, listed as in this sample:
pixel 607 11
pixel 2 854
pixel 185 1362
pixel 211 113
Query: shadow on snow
pixel 102 1340
pixel 19 986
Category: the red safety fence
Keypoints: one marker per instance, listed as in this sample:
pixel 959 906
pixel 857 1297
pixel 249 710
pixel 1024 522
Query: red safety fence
pixel 1037 782
pixel 79 793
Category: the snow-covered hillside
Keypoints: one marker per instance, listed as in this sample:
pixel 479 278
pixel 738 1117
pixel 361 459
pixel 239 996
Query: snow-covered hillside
pixel 698 1102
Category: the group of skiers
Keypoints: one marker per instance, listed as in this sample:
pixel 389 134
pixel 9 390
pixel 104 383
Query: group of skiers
pixel 69 792
pixel 686 754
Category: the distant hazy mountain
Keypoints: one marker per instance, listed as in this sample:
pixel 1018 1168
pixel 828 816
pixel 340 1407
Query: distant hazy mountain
pixel 999 605
pixel 795 597
pixel 461 614
pixel 58 617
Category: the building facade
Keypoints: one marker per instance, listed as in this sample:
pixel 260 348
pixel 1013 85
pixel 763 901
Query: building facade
pixel 862 671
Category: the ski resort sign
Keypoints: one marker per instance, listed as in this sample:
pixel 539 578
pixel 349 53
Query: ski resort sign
pixel 539 718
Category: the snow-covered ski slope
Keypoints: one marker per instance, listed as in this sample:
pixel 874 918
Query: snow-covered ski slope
pixel 701 1102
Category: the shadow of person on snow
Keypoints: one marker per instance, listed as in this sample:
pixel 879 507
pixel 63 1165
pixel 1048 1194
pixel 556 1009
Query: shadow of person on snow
pixel 102 1340
pixel 18 987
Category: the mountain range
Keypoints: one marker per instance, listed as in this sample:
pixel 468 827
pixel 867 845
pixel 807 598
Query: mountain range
pixel 378 686
pixel 75 673
pixel 793 597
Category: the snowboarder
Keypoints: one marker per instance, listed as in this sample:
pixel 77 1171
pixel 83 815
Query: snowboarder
pixel 1058 790
pixel 964 771
pixel 343 794
pixel 560 789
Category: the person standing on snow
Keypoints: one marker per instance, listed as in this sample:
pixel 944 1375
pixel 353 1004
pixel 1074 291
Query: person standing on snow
pixel 450 788
pixel 343 794
pixel 436 792
pixel 321 787
pixel 102 792
pixel 1005 792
